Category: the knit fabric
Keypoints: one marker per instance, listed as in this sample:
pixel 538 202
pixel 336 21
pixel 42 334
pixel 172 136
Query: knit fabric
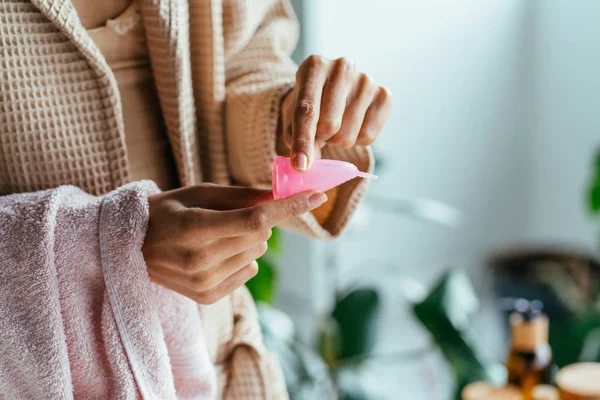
pixel 221 68
pixel 60 116
pixel 78 315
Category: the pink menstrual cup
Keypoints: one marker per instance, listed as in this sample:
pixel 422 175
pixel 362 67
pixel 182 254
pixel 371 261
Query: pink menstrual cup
pixel 322 176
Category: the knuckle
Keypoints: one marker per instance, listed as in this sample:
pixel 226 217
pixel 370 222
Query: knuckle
pixel 190 261
pixel 190 223
pixel 257 220
pixel 347 144
pixel 203 257
pixel 344 65
pixel 185 223
pixel 330 125
pixel 266 234
pixel 195 260
pixel 213 297
pixel 315 61
pixel 305 109
pixel 366 81
pixel 209 280
pixel 200 282
pixel 344 142
pixel 252 269
pixel 342 61
pixel 296 207
pixel 385 94
pixel 207 297
pixel 262 249
pixel 367 136
pixel 198 298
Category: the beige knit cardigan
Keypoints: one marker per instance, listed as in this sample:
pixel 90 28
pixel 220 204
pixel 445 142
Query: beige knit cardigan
pixel 221 68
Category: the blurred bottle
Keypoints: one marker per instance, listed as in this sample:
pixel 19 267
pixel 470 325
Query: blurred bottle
pixel 530 357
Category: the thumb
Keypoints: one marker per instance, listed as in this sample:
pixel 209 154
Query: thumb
pixel 275 212
pixel 269 214
pixel 218 197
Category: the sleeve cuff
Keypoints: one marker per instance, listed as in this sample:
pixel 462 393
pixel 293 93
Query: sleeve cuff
pixel 252 121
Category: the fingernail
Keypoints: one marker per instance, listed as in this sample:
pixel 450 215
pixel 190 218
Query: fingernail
pixel 300 162
pixel 317 199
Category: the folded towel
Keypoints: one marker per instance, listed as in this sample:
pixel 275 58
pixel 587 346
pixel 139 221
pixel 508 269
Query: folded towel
pixel 79 317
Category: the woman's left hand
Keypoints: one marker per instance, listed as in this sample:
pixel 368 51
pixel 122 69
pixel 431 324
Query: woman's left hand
pixel 333 104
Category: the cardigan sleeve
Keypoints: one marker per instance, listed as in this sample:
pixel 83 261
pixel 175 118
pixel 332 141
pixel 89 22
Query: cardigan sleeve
pixel 259 72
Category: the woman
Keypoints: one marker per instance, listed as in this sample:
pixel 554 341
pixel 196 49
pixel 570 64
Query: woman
pixel 97 94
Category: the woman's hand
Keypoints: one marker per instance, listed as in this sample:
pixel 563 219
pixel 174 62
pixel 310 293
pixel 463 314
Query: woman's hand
pixel 333 104
pixel 203 241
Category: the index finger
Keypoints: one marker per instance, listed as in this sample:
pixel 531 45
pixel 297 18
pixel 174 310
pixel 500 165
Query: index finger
pixel 221 197
pixel 310 80
pixel 267 215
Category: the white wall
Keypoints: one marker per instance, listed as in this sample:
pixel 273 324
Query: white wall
pixel 456 135
pixel 496 113
pixel 566 121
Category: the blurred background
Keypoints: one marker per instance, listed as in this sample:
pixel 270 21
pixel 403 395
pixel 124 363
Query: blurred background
pixel 487 177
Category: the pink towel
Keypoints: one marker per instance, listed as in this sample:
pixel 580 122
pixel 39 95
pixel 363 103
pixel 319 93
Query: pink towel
pixel 78 316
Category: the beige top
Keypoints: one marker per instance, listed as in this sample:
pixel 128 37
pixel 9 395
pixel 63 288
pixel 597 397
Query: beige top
pixel 123 44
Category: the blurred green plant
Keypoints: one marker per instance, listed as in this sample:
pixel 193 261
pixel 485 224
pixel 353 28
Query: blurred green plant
pixel 346 340
pixel 348 333
pixel 594 187
pixel 447 313
pixel 346 337
pixel 577 338
pixel 262 286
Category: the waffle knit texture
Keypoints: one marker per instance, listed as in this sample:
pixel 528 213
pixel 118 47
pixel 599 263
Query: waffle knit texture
pixel 221 68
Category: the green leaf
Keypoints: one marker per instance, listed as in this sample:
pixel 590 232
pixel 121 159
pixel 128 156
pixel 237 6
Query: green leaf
pixel 570 338
pixel 594 187
pixel 455 297
pixel 262 285
pixel 306 375
pixel 446 313
pixel 274 242
pixel 594 197
pixel 357 315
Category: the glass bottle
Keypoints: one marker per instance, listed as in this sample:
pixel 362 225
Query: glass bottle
pixel 530 357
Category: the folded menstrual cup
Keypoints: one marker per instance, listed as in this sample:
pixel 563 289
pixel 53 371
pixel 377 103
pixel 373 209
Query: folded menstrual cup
pixel 322 176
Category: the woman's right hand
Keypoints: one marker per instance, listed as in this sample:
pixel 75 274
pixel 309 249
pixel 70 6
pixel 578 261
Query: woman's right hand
pixel 203 241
